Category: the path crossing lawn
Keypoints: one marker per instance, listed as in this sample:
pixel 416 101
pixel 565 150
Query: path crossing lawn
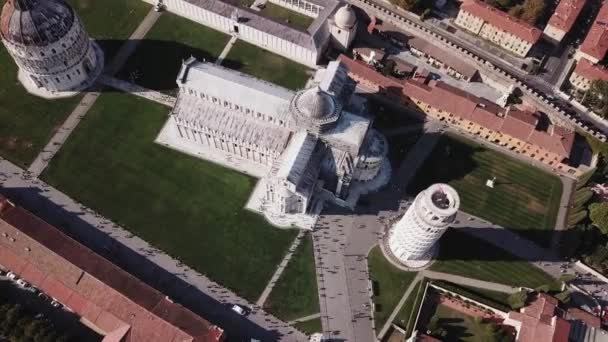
pixel 524 198
pixel 27 122
pixel 295 295
pixel 408 312
pixel 467 256
pixel 110 22
pixel 286 16
pixel 187 207
pixel 310 327
pixel 389 284
pixel 267 66
pixel 173 39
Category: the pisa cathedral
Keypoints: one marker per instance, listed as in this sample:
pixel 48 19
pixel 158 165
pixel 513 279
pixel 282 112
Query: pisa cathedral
pixel 307 147
pixel 50 46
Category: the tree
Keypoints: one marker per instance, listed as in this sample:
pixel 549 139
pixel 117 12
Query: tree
pixel 598 213
pixel 518 299
pixel 598 96
pixel 533 10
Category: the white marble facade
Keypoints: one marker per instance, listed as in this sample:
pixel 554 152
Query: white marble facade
pixel 308 143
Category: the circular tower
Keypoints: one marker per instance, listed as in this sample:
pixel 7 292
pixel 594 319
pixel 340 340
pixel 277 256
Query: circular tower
pixel 412 239
pixel 48 42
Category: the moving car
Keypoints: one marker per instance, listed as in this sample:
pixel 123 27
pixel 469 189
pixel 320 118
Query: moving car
pixel 239 309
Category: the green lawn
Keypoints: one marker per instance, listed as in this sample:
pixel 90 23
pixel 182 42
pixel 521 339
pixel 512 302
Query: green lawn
pixel 286 16
pixel 310 327
pixel 461 327
pixel 408 312
pixel 157 60
pixel 110 22
pixel 524 197
pixel 295 294
pixel 265 65
pixel 189 208
pixel 389 285
pixel 27 122
pixel 468 256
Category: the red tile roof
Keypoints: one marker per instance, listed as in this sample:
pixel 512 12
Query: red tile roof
pixel 518 124
pixel 94 288
pixel 540 322
pixel 596 42
pixel 585 317
pixel 502 20
pixel 440 54
pixel 566 13
pixel 590 71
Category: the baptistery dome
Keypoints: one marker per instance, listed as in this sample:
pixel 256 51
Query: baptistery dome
pixel 345 17
pixel 49 44
pixel 315 109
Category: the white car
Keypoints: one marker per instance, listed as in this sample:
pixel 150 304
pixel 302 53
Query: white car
pixel 55 304
pixel 239 309
pixel 12 276
pixel 22 283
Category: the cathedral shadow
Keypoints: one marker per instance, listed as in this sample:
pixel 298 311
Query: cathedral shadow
pixel 155 64
pixel 69 222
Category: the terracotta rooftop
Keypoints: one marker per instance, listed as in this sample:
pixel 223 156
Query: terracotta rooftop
pixel 440 54
pixel 519 124
pixel 117 303
pixel 540 322
pixel 596 41
pixel 591 71
pixel 566 13
pixel 577 314
pixel 502 20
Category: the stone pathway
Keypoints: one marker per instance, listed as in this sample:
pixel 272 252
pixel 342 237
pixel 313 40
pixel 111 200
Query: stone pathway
pixel 305 318
pixel 63 133
pixel 465 281
pixel 134 89
pixel 280 268
pixel 226 50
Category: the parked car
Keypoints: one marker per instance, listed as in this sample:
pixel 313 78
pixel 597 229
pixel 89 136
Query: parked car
pixel 42 296
pixel 240 310
pixel 12 276
pixel 56 304
pixel 22 283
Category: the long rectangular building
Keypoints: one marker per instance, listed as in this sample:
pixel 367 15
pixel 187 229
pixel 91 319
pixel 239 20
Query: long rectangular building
pixel 585 73
pixel 563 19
pixel 498 27
pixel 110 300
pixel 595 45
pixel 523 132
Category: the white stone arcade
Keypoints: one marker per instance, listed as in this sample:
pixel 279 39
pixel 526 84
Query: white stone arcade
pixel 50 46
pixel 413 239
pixel 307 147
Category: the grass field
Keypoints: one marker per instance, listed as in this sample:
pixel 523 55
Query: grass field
pixel 461 327
pixel 27 122
pixel 523 198
pixel 310 327
pixel 110 22
pixel 389 285
pixel 468 256
pixel 267 66
pixel 285 16
pixel 171 40
pixel 295 294
pixel 187 207
pixel 406 317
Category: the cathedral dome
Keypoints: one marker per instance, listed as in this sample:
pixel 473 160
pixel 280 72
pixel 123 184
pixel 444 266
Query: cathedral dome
pixel 35 22
pixel 315 108
pixel 345 17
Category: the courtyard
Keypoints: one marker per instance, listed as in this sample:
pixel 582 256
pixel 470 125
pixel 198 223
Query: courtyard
pixel 171 40
pixel 189 208
pixel 265 65
pixel 524 198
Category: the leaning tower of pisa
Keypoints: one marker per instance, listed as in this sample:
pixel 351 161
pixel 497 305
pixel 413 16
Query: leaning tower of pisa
pixel 412 239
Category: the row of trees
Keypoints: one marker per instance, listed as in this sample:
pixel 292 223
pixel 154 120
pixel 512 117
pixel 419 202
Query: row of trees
pixel 596 97
pixel 17 325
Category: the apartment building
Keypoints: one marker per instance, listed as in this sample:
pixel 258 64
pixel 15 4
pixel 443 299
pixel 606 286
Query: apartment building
pixel 563 19
pixel 595 45
pixel 585 73
pixel 498 27
pixel 441 59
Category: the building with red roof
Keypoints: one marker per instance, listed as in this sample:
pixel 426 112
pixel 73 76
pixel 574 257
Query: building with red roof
pixel 108 299
pixel 563 19
pixel 498 27
pixel 520 131
pixel 595 45
pixel 585 73
pixel 540 321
